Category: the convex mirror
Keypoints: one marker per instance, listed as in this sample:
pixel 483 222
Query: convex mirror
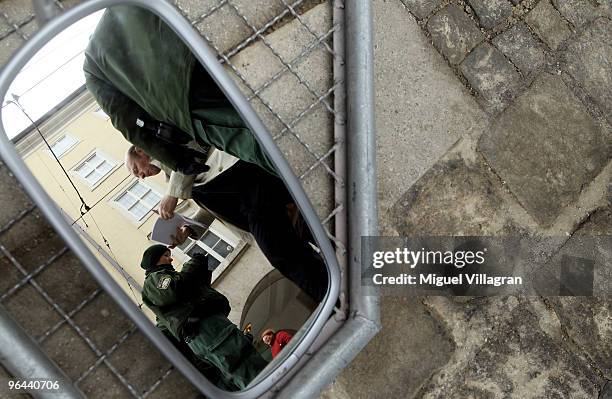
pixel 138 141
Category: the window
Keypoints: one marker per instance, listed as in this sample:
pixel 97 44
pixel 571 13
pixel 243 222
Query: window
pixel 61 146
pixel 138 200
pixel 210 243
pixel 94 168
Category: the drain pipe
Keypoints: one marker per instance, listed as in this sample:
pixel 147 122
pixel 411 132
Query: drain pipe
pixel 364 316
pixel 23 359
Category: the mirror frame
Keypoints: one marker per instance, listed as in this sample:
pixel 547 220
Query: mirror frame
pixel 206 56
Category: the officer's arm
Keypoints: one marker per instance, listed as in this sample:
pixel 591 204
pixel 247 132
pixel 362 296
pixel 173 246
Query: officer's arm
pixel 123 113
pixel 197 270
pixel 179 185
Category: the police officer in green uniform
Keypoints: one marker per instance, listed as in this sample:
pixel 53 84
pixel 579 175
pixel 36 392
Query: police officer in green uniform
pixel 212 373
pixel 159 96
pixel 193 312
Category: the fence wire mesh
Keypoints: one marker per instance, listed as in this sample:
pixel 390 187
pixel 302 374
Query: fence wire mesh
pixel 282 55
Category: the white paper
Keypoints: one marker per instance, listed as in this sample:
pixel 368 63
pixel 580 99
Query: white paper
pixel 164 229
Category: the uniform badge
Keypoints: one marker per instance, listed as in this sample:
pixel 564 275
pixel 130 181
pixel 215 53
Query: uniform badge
pixel 164 282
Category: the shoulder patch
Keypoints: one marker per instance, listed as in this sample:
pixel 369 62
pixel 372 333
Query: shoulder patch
pixel 164 282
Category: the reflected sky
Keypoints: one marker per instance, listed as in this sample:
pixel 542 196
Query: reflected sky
pixel 55 72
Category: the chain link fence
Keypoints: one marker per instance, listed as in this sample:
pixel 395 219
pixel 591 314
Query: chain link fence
pixel 286 58
pixel 281 55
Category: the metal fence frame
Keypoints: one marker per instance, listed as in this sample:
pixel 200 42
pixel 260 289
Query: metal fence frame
pixel 361 322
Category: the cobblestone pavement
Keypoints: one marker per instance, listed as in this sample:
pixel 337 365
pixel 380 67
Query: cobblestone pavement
pixel 531 158
pixel 493 118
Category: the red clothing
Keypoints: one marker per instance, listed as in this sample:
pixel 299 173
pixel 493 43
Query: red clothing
pixel 279 340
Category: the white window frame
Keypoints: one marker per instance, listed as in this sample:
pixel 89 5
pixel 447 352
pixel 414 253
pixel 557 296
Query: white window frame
pixel 96 152
pixel 126 212
pixel 70 147
pixel 223 261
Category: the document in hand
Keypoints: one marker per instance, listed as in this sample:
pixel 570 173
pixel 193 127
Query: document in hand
pixel 164 229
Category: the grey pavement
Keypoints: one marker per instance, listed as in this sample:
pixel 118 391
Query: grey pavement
pixel 493 118
pixel 412 133
pixel 524 89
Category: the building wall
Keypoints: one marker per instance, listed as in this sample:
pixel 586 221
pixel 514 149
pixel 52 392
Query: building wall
pixel 113 235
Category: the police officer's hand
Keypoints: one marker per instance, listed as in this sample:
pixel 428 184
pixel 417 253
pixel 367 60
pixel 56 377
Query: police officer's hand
pixel 167 207
pixel 181 235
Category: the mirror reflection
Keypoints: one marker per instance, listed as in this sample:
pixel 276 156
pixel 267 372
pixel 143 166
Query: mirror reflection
pixel 166 184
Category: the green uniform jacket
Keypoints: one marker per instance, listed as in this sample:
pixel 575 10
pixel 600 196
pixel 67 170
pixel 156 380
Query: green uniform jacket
pixel 174 297
pixel 193 312
pixel 137 67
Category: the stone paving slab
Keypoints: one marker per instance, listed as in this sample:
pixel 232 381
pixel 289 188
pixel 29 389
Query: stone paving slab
pixel 463 317
pixel 298 35
pixel 453 33
pixel 28 234
pixel 102 321
pixel 195 9
pixel 548 24
pixel 492 76
pixel 580 12
pixel 69 351
pixel 589 248
pixel 103 384
pixel 586 321
pixel 215 26
pixel 10 275
pixel 491 12
pixel 258 64
pixel 589 61
pixel 522 48
pixel 14 200
pixel 4 379
pixel 421 108
pixel 581 267
pixel 606 391
pixel 30 257
pixel 600 222
pixel 67 270
pixel 15 11
pixel 521 357
pixel 8 46
pixel 259 12
pixel 546 147
pixel 405 353
pixel 5 27
pixel 319 187
pixel 457 196
pixel 422 8
pixel 151 364
pixel 40 315
pixel 176 386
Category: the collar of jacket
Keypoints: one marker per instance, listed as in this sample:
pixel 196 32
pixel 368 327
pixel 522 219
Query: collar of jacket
pixel 158 268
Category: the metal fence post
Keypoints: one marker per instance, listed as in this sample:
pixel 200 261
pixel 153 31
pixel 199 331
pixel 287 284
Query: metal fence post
pixel 24 360
pixel 364 316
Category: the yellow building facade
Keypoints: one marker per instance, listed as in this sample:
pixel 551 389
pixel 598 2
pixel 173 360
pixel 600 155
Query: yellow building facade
pixel 117 216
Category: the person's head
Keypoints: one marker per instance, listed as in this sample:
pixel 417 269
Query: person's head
pixel 139 163
pixel 156 255
pixel 166 258
pixel 267 336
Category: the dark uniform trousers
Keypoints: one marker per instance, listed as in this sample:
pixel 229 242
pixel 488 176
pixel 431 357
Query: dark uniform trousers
pixel 228 349
pixel 255 201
